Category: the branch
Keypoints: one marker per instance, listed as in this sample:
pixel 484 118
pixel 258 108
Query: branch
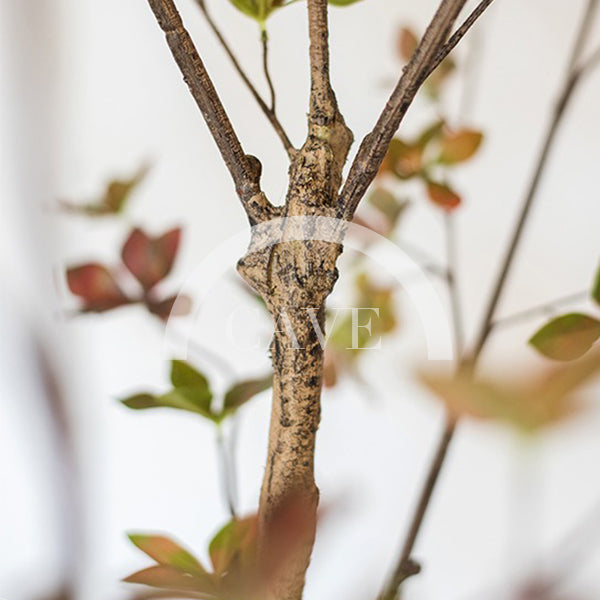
pixel 574 75
pixel 225 473
pixel 453 291
pixel 428 55
pixel 572 79
pixel 458 35
pixel 406 566
pixel 541 309
pixel 326 126
pixel 265 63
pixel 244 169
pixel 268 112
pixel 323 105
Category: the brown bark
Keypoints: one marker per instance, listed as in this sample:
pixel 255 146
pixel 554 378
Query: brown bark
pixel 295 277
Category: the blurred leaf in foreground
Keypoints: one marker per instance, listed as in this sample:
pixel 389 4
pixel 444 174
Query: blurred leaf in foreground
pixel 528 405
pixel 114 198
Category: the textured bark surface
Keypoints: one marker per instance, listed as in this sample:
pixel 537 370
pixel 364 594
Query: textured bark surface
pixel 295 277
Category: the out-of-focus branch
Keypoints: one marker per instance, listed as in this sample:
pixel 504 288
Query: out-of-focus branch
pixel 406 566
pixel 540 309
pixel 570 85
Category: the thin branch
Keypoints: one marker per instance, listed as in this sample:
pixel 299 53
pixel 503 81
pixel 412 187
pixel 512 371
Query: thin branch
pixel 268 112
pixel 244 169
pixel 406 566
pixel 225 471
pixel 374 146
pixel 265 62
pixel 541 309
pixel 453 292
pixel 574 76
pixel 458 35
pixel 590 63
pixel 424 259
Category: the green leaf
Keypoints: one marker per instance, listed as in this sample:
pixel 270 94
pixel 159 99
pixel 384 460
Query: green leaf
pixel 184 375
pixel 194 400
pixel 387 204
pixel 191 399
pixel 343 2
pixel 140 401
pixel 431 133
pixel 240 393
pixel 596 288
pixel 567 337
pixel 234 546
pixel 113 199
pixel 459 146
pixel 259 10
pixel 167 552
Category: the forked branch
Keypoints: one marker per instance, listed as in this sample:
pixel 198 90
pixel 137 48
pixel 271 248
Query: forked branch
pixel 244 169
pixel 269 111
pixel 432 49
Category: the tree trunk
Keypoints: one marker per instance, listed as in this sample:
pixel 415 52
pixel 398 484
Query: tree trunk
pixel 294 278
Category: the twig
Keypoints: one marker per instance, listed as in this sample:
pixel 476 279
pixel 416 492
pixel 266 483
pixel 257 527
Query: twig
pixel 571 80
pixel 540 309
pixel 244 169
pixel 406 566
pixel 424 259
pixel 268 112
pixel 429 54
pixel 224 470
pixel 265 62
pixel 453 292
pixel 590 62
pixel 457 36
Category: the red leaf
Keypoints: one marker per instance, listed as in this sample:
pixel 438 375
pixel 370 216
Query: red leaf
pixel 407 43
pixel 150 259
pixel 175 306
pixel 443 195
pixel 96 286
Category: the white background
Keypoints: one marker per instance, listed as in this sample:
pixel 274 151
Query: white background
pixel 89 90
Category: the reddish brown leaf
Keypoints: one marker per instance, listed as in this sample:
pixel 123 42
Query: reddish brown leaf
pixel 442 195
pixel 174 306
pixel 458 146
pixel 170 578
pixel 407 43
pixel 529 404
pixel 150 259
pixel 330 370
pixel 96 286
